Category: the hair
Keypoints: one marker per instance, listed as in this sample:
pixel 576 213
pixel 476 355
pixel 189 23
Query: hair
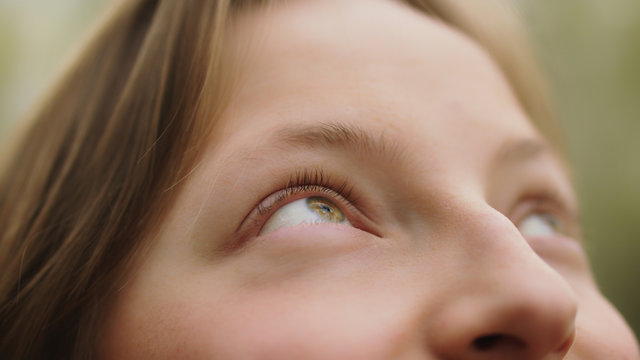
pixel 103 156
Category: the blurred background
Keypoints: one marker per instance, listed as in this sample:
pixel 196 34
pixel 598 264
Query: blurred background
pixel 590 49
pixel 591 52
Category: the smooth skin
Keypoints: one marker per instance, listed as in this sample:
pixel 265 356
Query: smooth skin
pixel 460 239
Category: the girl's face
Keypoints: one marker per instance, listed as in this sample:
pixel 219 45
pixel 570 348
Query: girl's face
pixel 374 191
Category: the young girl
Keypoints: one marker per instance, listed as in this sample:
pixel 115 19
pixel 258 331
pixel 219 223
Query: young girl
pixel 304 179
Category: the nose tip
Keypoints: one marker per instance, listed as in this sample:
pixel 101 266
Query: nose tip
pixel 520 325
pixel 528 328
pixel 511 306
pixel 509 346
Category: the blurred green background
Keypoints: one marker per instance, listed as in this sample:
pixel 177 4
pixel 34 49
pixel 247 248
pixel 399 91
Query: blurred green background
pixel 590 49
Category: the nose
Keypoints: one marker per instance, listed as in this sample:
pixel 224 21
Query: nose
pixel 501 300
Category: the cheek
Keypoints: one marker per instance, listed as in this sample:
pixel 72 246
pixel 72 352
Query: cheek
pixel 601 332
pixel 285 328
pixel 314 319
pixel 262 328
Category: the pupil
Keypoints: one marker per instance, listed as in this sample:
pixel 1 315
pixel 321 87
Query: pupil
pixel 325 208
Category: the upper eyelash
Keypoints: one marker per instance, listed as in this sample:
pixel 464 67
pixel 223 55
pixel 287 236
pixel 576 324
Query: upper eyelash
pixel 550 201
pixel 307 180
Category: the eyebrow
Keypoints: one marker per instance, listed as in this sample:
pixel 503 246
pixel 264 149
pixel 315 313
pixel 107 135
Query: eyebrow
pixel 345 136
pixel 513 151
pixel 377 145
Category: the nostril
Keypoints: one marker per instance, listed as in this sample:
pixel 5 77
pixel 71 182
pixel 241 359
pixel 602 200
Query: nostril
pixel 498 341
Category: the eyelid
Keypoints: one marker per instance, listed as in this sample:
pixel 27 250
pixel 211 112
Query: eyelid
pixel 290 194
pixel 304 183
pixel 276 201
pixel 286 196
pixel 545 204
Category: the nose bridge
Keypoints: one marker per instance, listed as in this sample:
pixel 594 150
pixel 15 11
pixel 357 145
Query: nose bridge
pixel 501 300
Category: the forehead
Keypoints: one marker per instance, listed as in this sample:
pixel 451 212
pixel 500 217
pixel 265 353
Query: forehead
pixel 375 63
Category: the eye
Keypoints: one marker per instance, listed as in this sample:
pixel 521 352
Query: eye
pixel 540 224
pixel 309 210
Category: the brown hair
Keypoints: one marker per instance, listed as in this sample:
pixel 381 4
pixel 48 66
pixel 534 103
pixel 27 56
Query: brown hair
pixel 106 152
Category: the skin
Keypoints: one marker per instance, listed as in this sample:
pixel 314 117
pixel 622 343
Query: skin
pixel 436 262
